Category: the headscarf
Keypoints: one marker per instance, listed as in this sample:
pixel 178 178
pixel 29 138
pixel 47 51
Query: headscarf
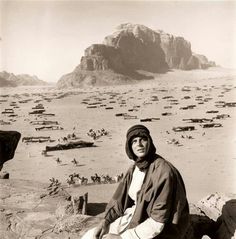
pixel 140 131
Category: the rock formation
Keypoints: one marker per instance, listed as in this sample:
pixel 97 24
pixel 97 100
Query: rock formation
pixel 204 63
pixel 8 143
pixel 132 49
pixel 6 83
pixel 11 80
pixel 177 51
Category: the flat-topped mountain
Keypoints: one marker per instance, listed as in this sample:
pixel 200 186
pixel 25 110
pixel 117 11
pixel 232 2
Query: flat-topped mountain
pixel 130 50
pixel 11 80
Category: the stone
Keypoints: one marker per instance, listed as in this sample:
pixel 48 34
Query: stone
pixel 77 205
pixel 221 208
pixel 227 221
pixel 4 175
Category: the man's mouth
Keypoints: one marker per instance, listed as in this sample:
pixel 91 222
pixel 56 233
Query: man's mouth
pixel 140 150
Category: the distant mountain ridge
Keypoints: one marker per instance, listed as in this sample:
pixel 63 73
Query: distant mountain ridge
pixel 131 49
pixel 11 80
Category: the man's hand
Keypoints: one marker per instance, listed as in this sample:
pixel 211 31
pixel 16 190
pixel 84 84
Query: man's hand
pixel 101 230
pixel 111 236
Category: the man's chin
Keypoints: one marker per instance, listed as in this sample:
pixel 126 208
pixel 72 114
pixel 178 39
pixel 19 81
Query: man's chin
pixel 141 155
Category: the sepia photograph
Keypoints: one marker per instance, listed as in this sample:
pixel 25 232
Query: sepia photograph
pixel 117 119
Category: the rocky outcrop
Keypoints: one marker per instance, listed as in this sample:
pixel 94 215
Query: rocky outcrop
pixel 25 79
pixel 25 212
pixel 221 209
pixel 7 79
pixel 131 49
pixel 177 51
pixel 84 78
pixel 6 83
pixel 8 143
pixel 11 80
pixel 140 48
pixel 204 62
pixel 102 57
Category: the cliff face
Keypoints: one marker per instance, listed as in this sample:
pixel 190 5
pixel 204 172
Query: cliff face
pixel 204 63
pixel 130 49
pixel 140 48
pixel 177 51
pixel 101 57
pixel 11 80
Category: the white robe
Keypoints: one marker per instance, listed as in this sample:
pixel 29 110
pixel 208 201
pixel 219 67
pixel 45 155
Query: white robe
pixel 146 230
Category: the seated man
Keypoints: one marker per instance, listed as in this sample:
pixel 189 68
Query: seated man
pixel 150 202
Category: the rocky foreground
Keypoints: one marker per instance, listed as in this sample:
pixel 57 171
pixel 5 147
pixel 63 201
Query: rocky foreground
pixel 36 210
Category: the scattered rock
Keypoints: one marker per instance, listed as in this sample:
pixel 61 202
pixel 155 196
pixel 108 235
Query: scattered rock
pixel 70 145
pixel 211 125
pixel 183 128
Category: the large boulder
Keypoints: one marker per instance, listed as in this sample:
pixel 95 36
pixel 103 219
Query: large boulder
pixel 220 208
pixel 8 144
pixel 227 221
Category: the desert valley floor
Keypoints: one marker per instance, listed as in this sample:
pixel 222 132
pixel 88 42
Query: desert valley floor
pixel 202 101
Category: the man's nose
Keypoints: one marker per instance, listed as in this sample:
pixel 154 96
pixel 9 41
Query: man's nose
pixel 140 142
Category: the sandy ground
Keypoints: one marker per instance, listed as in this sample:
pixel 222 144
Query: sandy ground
pixel 206 157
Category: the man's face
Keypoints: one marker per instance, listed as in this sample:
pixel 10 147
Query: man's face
pixel 139 146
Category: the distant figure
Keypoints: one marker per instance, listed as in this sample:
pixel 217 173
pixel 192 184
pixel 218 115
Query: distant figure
pixel 150 201
pixel 58 160
pixel 75 162
pixel 8 143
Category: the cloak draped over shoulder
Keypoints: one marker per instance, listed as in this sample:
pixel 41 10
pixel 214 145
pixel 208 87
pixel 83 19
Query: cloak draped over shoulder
pixel 162 197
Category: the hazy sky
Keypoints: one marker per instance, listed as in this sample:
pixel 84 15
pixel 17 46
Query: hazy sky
pixel 48 38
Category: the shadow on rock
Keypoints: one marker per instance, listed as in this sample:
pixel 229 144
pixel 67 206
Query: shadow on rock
pixel 94 209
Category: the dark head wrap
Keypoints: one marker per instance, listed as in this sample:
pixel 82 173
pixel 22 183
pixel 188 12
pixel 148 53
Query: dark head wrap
pixel 140 131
